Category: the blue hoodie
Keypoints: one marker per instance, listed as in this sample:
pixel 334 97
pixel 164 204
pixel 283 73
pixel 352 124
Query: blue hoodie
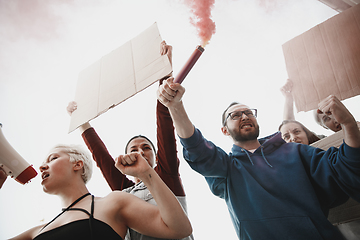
pixel 282 190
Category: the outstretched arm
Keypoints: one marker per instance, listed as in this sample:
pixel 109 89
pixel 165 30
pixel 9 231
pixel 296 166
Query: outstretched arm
pixel 115 179
pixel 167 160
pixel 166 49
pixel 72 106
pixel 288 113
pixel 167 219
pixel 333 106
pixel 170 94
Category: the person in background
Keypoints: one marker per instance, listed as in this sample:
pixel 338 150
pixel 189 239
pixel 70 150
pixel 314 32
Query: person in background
pixel 294 131
pixel 291 127
pixel 328 121
pixel 164 161
pixel 273 189
pixel 65 173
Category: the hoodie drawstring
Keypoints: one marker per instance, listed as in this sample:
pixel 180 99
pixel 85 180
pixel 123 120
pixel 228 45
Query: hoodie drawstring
pixel 252 163
pixel 262 153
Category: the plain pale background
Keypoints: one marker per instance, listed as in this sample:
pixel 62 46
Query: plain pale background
pixel 45 44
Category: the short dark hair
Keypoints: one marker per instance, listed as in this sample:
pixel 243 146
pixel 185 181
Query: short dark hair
pixel 140 136
pixel 224 116
pixel 312 137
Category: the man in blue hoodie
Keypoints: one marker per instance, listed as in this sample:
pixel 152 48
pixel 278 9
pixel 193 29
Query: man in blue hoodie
pixel 273 189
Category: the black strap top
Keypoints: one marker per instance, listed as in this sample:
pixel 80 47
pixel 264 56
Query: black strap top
pixel 80 229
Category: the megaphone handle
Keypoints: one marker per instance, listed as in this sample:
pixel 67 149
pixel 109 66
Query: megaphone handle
pixel 6 169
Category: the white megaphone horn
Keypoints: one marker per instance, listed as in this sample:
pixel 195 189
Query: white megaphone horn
pixel 13 164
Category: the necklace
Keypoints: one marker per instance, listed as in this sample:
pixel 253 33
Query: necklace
pixel 66 209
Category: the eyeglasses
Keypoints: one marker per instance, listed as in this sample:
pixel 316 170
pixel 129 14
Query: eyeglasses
pixel 238 114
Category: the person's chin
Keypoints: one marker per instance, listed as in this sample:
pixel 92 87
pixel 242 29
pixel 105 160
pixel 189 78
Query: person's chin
pixel 45 190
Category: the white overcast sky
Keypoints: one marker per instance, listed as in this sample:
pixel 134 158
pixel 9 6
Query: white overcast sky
pixel 45 44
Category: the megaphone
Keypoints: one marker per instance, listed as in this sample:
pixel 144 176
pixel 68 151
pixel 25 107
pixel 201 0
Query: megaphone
pixel 13 164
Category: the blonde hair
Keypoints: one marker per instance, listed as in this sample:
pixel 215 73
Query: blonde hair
pixel 78 153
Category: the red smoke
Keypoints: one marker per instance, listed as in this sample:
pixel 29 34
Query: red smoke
pixel 35 19
pixel 201 9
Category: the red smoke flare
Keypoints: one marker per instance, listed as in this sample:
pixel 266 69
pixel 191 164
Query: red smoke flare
pixel 201 9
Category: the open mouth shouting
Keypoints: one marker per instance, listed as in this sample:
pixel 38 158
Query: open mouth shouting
pixel 246 125
pixel 44 176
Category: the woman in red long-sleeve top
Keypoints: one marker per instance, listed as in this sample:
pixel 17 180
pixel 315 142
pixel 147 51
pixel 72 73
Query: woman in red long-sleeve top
pixel 166 158
pixel 167 162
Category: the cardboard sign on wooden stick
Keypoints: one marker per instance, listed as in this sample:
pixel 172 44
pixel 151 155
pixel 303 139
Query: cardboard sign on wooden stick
pixel 119 75
pixel 325 60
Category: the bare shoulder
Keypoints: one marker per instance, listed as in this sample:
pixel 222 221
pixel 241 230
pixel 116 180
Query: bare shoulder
pixel 117 205
pixel 116 195
pixel 29 234
pixel 119 197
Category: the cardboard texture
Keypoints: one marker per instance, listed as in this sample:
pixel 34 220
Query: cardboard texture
pixel 340 5
pixel 325 60
pixel 349 211
pixel 334 140
pixel 119 75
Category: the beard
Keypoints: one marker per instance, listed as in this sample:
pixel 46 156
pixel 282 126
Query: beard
pixel 247 136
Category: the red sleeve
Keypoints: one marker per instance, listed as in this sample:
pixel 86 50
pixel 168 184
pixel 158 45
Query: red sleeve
pixel 167 161
pixel 115 179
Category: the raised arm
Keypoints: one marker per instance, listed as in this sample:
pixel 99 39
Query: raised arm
pixel 167 219
pixel 167 160
pixel 333 106
pixel 72 106
pixel 166 49
pixel 170 94
pixel 115 179
pixel 288 113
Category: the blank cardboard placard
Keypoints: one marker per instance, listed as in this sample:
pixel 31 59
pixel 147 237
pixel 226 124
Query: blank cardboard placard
pixel 119 75
pixel 325 60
